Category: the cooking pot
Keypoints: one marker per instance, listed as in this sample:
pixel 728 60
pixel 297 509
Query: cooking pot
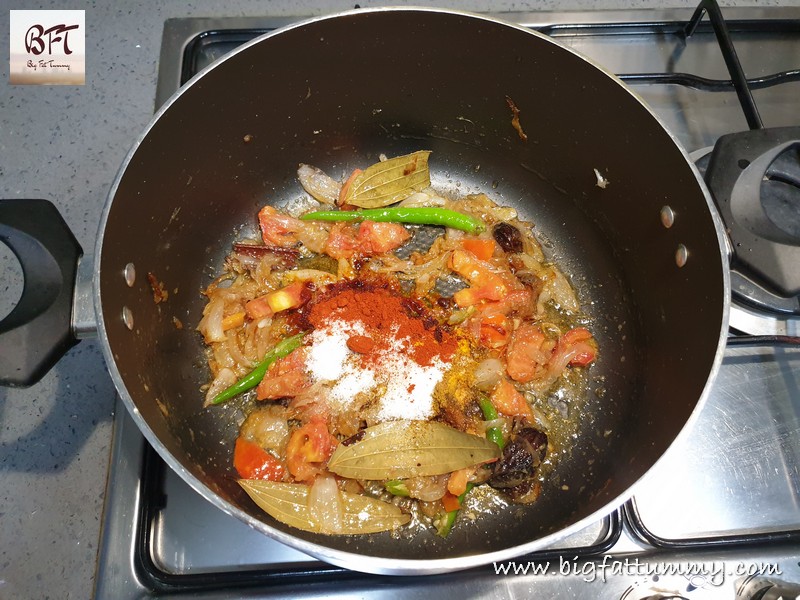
pixel 614 199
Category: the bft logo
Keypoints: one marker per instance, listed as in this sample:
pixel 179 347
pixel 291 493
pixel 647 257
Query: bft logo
pixel 35 41
pixel 48 47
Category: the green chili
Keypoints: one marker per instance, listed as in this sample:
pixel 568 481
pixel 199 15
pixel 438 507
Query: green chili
pixel 447 520
pixel 494 434
pixel 397 487
pixel 420 215
pixel 254 377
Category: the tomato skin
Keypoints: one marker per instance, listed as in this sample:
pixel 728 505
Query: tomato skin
pixel 341 242
pixel 369 237
pixel 528 353
pixel 285 378
pixel 293 295
pixel 457 483
pixel 258 308
pixel 377 238
pixel 519 302
pixel 495 331
pixel 509 401
pixel 450 502
pixel 585 355
pixel 581 343
pixel 578 334
pixel 482 248
pixel 278 229
pixel 308 449
pixel 251 461
pixel 484 283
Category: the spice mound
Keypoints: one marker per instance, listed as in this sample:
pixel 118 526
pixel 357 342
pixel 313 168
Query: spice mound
pixel 392 351
pixel 369 342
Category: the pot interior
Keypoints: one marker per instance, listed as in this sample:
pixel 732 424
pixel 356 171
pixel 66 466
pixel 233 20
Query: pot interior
pixel 335 93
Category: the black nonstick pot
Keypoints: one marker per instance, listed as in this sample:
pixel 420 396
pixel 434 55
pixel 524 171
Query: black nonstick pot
pixel 611 193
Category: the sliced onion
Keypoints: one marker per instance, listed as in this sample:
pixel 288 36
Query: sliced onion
pixel 267 427
pixel 422 199
pixel 313 236
pixel 501 422
pixel 318 184
pixel 224 379
pixel 529 263
pixel 247 261
pixel 211 323
pixel 539 417
pixel 488 374
pixel 300 205
pixel 232 346
pixel 561 358
pixel 498 422
pixel 561 291
pixel 325 504
pixel 542 300
pixel 315 276
pixel 428 489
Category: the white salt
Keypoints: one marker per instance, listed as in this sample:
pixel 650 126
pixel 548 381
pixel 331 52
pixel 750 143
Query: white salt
pixel 409 386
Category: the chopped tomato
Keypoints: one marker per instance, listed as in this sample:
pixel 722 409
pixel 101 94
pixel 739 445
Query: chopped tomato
pixel 450 502
pixel 576 348
pixel 251 461
pixel 293 295
pixel 495 330
pixel 376 238
pixel 308 449
pixel 258 308
pixel 482 248
pixel 457 482
pixel 528 353
pixel 585 356
pixel 580 343
pixel 278 229
pixel 309 405
pixel 285 378
pixel 509 401
pixel 485 283
pixel 519 302
pixel 341 242
pixel 345 240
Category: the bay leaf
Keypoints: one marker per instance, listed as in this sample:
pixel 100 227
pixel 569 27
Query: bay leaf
pixel 288 503
pixel 403 449
pixel 390 181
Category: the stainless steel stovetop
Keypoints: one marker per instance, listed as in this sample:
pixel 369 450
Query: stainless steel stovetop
pixel 719 516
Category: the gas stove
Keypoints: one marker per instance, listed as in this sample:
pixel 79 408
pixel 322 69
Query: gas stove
pixel 719 516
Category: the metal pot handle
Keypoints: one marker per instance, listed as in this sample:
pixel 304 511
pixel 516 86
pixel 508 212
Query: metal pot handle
pixel 38 331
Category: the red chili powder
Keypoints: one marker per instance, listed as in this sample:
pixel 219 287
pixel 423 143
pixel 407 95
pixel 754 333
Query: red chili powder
pixel 387 317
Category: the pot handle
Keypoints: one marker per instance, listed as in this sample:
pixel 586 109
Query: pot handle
pixel 38 331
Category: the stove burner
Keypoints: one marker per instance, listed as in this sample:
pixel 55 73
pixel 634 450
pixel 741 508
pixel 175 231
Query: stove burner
pixel 754 177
